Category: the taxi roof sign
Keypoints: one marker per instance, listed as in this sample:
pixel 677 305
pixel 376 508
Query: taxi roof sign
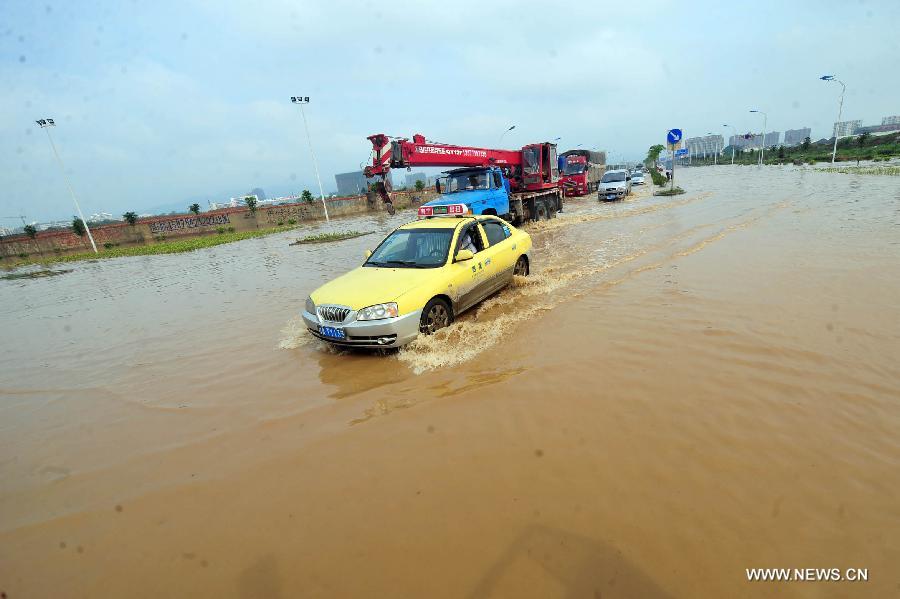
pixel 443 210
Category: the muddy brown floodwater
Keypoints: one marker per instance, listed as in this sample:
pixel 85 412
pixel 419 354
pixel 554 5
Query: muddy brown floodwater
pixel 685 388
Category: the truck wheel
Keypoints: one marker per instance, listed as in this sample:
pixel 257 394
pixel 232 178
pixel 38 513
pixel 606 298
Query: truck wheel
pixel 521 269
pixel 540 212
pixel 436 315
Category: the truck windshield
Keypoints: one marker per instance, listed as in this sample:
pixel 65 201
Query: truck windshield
pixel 612 177
pixel 531 160
pixel 464 181
pixel 412 248
pixel 574 168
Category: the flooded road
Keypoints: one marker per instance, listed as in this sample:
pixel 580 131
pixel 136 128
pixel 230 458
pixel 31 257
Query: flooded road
pixel 685 388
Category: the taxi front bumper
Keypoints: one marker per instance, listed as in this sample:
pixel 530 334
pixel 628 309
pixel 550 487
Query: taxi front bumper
pixel 386 332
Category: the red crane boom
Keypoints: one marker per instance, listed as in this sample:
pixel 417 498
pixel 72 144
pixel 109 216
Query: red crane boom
pixel 533 168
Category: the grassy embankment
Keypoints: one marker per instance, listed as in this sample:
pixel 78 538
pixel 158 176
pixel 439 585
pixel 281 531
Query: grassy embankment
pixel 326 237
pixel 160 247
pixel 893 171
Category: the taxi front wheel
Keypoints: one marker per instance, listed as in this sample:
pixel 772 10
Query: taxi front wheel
pixel 436 315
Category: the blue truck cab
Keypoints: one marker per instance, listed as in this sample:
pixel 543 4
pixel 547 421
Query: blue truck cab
pixel 484 190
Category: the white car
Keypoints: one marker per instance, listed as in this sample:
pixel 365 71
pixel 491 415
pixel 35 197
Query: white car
pixel 614 185
pixel 637 177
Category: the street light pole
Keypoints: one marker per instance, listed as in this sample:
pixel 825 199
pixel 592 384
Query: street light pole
pixel 731 144
pixel 762 141
pixel 301 101
pixel 504 133
pixel 45 124
pixel 840 108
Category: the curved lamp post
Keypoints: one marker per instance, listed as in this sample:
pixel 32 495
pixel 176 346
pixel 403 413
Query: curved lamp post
pixel 840 108
pixel 45 124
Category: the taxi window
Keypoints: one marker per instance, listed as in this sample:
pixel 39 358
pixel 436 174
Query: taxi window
pixel 494 231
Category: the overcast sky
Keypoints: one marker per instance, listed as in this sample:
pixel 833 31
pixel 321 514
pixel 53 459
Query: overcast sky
pixel 159 103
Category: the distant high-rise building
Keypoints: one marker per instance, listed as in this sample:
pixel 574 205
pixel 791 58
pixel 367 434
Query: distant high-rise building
pixel 795 137
pixel 705 146
pixel 353 183
pixel 845 128
pixel 411 179
pixel 259 193
pixel 891 120
pixel 752 140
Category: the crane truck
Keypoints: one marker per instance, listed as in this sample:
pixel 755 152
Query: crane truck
pixel 517 185
pixel 581 171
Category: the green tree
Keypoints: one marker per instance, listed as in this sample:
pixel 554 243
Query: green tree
pixel 31 231
pixel 654 152
pixel 251 203
pixel 781 152
pixel 306 196
pixel 862 139
pixel 130 218
pixel 78 226
pixel 195 208
pixel 420 185
pixel 805 144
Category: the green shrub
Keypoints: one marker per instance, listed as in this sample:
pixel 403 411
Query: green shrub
pixel 231 229
pixel 885 151
pixel 657 177
pixel 109 245
pixel 281 223
pixel 23 255
pixel 220 230
pixel 292 222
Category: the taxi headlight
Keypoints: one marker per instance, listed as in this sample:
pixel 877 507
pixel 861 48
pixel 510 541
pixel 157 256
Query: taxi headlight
pixel 310 306
pixel 378 311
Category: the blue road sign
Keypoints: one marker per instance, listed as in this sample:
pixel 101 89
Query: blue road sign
pixel 673 136
pixel 681 152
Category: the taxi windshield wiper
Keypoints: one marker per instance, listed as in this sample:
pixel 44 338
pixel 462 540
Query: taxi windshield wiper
pixel 411 263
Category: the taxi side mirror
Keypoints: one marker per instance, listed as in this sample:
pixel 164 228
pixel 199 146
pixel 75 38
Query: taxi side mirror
pixel 368 253
pixel 463 255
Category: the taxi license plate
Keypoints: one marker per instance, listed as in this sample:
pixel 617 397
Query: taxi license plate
pixel 332 332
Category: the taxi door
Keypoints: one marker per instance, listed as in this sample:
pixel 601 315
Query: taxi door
pixel 500 253
pixel 470 280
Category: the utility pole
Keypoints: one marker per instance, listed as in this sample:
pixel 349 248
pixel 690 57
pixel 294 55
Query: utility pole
pixel 45 124
pixel 301 101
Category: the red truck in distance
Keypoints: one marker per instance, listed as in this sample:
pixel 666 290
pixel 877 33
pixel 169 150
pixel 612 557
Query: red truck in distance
pixel 580 171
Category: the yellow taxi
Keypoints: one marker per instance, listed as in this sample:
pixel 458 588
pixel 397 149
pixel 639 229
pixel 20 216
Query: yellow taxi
pixel 418 279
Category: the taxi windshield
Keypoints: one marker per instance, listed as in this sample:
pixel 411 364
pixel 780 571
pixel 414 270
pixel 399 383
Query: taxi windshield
pixel 412 248
pixel 466 181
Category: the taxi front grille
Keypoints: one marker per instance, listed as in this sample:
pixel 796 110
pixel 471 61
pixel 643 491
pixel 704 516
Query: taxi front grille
pixel 332 313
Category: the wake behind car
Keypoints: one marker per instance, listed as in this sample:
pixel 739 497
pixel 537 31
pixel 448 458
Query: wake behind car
pixel 418 279
pixel 614 185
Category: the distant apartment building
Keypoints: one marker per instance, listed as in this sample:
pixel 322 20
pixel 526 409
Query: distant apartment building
pixel 353 183
pixel 845 128
pixel 891 120
pixel 707 145
pixel 411 179
pixel 752 140
pixel 795 137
